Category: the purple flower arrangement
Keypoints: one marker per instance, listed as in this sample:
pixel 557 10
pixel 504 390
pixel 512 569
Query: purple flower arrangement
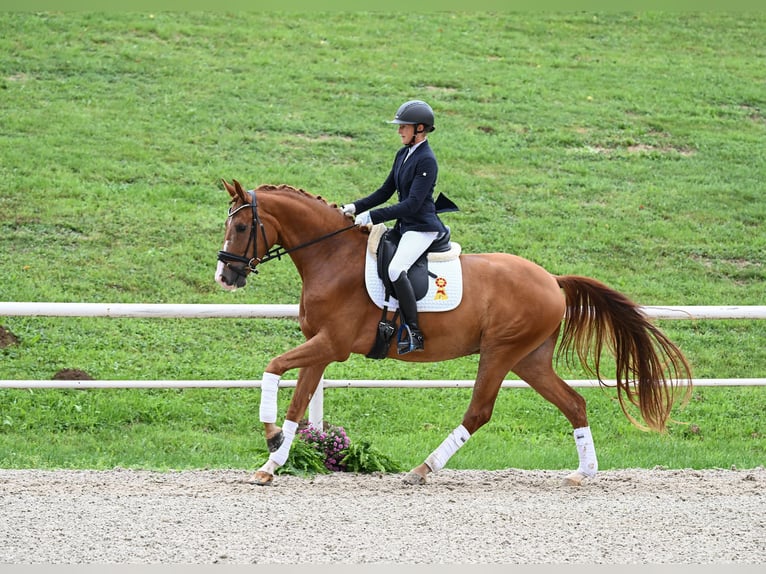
pixel 330 443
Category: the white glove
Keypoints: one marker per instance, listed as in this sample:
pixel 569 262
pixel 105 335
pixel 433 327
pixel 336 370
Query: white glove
pixel 363 219
pixel 348 209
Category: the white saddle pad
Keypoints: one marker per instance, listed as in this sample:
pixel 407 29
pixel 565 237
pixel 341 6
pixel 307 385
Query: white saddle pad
pixel 445 291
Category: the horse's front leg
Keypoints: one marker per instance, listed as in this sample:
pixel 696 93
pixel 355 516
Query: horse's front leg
pixel 312 357
pixel 268 408
pixel 279 440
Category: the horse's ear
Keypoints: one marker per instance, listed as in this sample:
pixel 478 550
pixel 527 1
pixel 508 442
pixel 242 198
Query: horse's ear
pixel 239 191
pixel 229 188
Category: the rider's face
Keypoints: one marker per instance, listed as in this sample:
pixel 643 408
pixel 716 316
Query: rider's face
pixel 406 131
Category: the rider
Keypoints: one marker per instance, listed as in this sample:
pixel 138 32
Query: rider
pixel 413 175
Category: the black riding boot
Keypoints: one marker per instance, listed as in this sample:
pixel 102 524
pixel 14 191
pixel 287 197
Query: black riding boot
pixel 412 341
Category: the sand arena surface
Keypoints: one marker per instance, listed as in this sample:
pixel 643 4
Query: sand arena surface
pixel 510 516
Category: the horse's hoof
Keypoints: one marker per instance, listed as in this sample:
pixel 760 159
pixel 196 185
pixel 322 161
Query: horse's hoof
pixel 574 479
pixel 275 442
pixel 414 478
pixel 261 478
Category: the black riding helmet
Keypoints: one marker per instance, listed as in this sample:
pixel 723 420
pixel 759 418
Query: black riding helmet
pixel 415 112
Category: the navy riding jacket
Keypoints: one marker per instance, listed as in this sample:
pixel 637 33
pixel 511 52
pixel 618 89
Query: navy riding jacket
pixel 415 180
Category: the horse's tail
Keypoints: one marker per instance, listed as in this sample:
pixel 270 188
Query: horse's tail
pixel 651 371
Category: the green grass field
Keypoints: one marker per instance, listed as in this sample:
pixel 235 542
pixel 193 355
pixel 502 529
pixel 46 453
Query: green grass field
pixel 628 147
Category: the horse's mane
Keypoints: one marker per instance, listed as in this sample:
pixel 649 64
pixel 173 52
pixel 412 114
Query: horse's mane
pixel 284 188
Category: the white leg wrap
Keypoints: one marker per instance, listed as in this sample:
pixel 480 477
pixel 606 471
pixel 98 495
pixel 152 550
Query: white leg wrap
pixel 586 451
pixel 280 457
pixel 270 467
pixel 438 458
pixel 269 388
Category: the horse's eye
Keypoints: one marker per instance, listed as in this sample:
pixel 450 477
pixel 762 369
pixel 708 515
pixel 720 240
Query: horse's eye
pixel 241 227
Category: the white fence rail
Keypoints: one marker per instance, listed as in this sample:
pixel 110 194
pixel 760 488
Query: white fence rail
pixel 219 311
pixel 240 311
pixel 149 310
pixel 327 384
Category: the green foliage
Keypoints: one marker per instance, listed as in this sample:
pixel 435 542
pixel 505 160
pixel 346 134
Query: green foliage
pixel 362 457
pixel 319 452
pixel 304 460
pixel 623 146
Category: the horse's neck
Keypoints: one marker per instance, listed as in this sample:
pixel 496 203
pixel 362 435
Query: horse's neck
pixel 303 221
pixel 299 219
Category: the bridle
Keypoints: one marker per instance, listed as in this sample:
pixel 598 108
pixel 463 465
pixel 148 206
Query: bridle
pixel 276 252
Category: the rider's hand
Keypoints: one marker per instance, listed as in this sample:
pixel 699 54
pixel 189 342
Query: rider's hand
pixel 363 219
pixel 348 209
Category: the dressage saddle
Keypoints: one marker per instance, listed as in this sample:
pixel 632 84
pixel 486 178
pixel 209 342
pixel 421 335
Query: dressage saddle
pixel 418 275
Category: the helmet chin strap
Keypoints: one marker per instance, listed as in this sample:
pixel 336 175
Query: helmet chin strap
pixel 415 133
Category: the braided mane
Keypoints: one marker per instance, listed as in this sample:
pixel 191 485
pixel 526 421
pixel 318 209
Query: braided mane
pixel 290 189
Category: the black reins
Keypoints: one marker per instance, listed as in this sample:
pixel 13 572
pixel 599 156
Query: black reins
pixel 275 252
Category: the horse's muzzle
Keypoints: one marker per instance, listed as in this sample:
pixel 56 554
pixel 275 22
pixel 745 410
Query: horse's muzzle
pixel 230 277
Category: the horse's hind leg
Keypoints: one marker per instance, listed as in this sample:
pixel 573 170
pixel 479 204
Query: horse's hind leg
pixel 536 369
pixel 493 366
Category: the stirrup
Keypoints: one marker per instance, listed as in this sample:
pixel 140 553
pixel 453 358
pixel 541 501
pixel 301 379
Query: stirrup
pixel 408 341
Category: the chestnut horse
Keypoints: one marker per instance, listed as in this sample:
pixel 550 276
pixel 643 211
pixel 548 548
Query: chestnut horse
pixel 511 313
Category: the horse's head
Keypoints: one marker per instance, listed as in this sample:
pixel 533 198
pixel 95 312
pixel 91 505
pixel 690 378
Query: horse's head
pixel 246 240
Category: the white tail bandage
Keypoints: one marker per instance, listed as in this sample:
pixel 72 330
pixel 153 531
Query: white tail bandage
pixel 280 456
pixel 437 460
pixel 269 388
pixel 586 451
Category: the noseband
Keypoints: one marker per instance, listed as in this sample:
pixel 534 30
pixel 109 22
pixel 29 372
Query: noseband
pixel 250 264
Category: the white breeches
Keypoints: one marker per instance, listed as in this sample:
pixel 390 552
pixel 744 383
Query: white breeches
pixel 411 246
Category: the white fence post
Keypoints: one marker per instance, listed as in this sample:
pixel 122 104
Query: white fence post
pixel 316 406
